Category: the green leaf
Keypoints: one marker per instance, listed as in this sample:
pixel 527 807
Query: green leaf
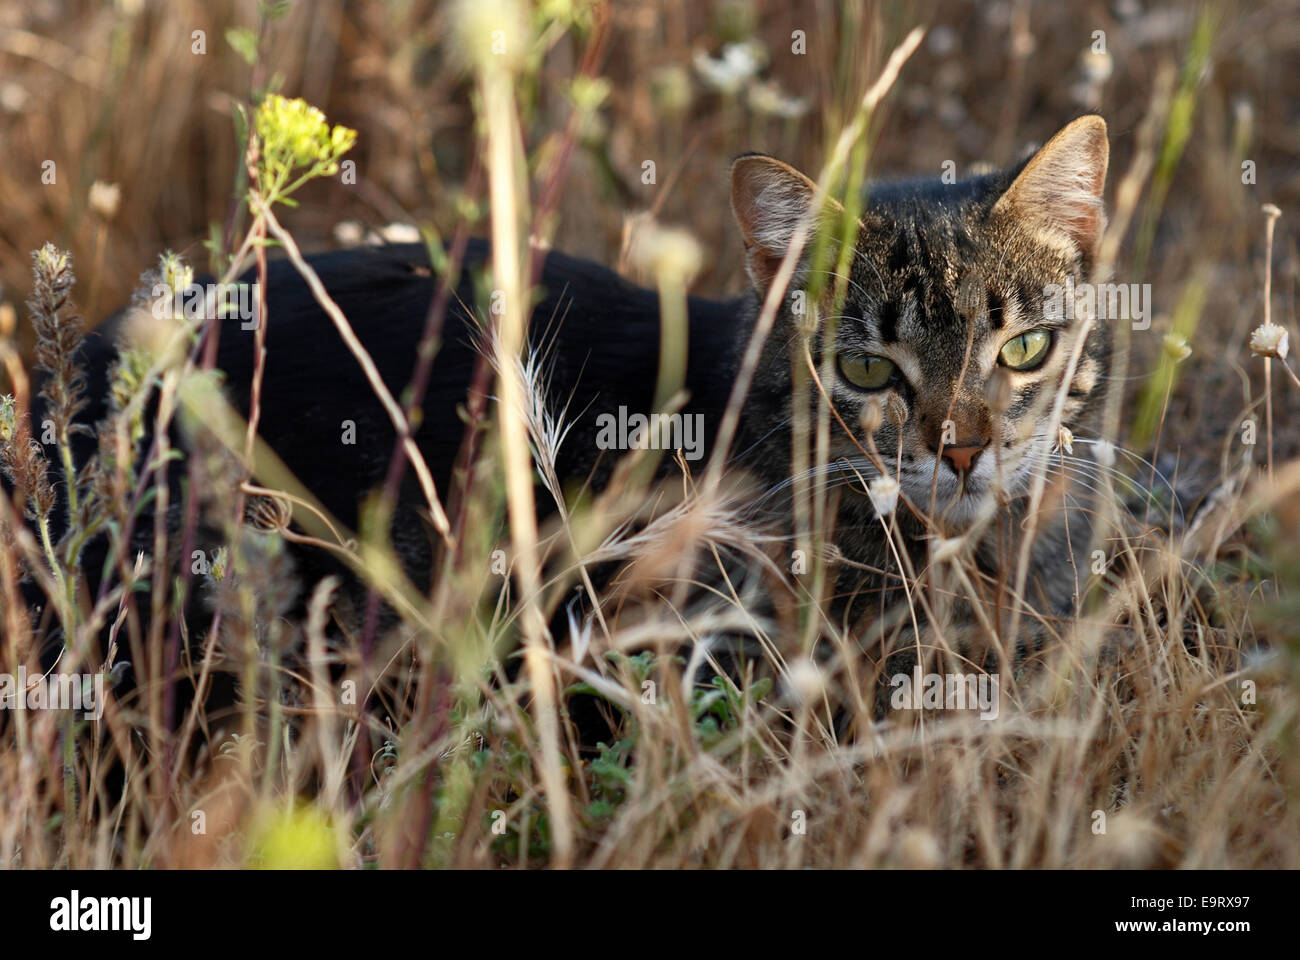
pixel 245 43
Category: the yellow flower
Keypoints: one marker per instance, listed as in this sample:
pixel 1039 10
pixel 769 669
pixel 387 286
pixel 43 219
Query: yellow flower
pixel 296 141
pixel 301 839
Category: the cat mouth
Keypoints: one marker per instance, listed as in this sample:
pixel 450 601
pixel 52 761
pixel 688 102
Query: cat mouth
pixel 965 490
pixel 928 494
pixel 947 485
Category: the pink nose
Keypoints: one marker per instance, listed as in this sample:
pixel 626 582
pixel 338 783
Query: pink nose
pixel 963 458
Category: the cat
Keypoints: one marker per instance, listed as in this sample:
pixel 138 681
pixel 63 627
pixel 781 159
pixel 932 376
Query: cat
pixel 941 328
pixel 946 324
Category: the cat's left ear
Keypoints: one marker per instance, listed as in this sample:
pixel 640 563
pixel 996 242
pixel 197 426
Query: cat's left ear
pixel 1058 194
pixel 769 198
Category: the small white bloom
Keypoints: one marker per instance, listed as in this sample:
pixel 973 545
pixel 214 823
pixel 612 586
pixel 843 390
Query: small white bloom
pixel 883 492
pixel 1269 340
pixel 806 680
pixel 400 233
pixel 349 233
pixel 769 99
pixel 13 97
pixel 1064 440
pixel 739 63
pixel 105 198
pixel 1097 67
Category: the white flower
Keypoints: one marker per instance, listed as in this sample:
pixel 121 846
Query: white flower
pixel 1269 341
pixel 739 63
pixel 1097 67
pixel 13 97
pixel 400 233
pixel 883 492
pixel 807 681
pixel 349 233
pixel 105 198
pixel 1064 440
pixel 767 98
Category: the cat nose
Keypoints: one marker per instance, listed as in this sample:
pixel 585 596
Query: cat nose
pixel 963 458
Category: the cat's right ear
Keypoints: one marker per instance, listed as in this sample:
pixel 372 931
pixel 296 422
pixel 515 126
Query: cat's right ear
pixel 768 199
pixel 1058 195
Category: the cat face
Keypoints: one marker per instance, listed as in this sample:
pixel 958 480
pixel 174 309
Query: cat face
pixel 945 338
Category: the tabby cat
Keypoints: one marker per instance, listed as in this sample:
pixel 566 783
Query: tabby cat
pixel 944 346
pixel 941 346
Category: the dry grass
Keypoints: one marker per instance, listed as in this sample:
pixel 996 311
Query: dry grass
pixel 1169 707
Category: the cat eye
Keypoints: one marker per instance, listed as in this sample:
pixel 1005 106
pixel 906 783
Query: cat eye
pixel 866 372
pixel 1026 351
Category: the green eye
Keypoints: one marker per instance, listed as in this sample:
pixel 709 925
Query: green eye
pixel 867 373
pixel 1026 351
